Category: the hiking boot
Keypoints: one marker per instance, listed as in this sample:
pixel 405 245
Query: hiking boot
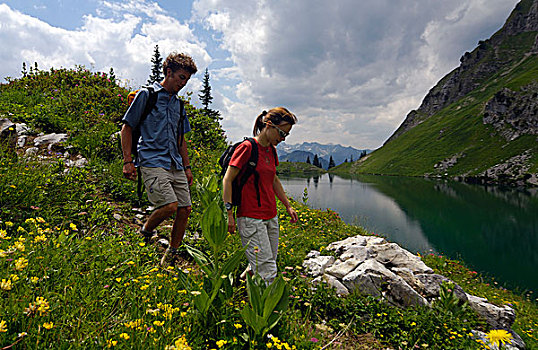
pixel 148 236
pixel 171 257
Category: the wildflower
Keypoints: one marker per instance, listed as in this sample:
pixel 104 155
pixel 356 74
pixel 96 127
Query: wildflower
pixel 19 246
pixel 3 326
pixel 9 224
pixel 48 325
pixel 195 292
pixel 498 336
pixel 20 264
pixel 118 279
pixel 221 343
pixel 110 343
pixel 314 340
pixel 124 336
pixel 130 262
pixel 158 323
pixel 34 279
pixel 3 234
pixel 5 284
pixel 237 326
pixel 73 227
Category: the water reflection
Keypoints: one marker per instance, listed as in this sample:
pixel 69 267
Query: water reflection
pixel 491 229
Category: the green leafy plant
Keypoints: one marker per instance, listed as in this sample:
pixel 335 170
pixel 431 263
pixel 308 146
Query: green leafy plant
pixel 448 302
pixel 266 303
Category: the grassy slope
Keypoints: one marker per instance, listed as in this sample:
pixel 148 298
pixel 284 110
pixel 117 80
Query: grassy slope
pixel 458 128
pixel 298 168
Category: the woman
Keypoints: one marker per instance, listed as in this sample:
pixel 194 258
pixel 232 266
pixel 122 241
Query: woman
pixel 257 219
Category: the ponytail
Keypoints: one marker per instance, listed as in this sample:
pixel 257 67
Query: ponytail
pixel 276 116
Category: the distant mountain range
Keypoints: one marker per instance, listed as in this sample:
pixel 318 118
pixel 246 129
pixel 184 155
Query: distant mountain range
pixel 301 152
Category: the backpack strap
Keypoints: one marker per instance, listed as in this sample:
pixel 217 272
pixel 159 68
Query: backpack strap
pixel 150 104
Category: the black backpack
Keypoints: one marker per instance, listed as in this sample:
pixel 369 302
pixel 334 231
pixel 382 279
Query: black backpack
pixel 247 171
pixel 136 134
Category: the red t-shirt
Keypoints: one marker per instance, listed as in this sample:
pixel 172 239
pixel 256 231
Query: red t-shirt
pixel 267 169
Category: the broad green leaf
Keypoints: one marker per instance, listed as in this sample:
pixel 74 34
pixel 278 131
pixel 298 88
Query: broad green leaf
pixel 254 295
pixel 201 259
pixel 272 296
pixel 253 320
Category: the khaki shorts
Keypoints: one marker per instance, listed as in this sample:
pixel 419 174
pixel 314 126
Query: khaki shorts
pixel 166 186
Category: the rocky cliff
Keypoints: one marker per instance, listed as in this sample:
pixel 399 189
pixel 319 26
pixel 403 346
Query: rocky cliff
pixel 478 66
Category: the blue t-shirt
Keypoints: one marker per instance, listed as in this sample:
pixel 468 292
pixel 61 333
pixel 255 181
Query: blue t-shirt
pixel 158 144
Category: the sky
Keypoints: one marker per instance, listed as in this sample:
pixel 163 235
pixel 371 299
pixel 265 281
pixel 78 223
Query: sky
pixel 350 70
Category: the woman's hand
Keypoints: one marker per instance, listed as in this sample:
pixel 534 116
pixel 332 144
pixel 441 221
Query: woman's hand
pixel 293 214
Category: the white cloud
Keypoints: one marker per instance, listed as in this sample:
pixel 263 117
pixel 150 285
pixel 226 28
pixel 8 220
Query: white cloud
pixel 350 70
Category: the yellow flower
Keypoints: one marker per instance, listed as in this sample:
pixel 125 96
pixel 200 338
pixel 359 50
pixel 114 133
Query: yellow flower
pixel 144 287
pixel 40 220
pixel 9 224
pixel 20 264
pixel 158 323
pixel 73 227
pixel 130 262
pixel 5 284
pixel 221 343
pixel 237 325
pixel 48 325
pixel 124 336
pixel 498 336
pixel 3 326
pixel 110 343
pixel 19 246
pixel 118 279
pixel 3 234
pixel 34 279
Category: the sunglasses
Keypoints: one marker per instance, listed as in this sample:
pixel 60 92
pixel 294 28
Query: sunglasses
pixel 281 132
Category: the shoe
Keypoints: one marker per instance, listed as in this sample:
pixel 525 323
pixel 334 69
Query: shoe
pixel 171 257
pixel 147 236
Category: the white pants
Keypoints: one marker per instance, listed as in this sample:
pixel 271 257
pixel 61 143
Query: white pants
pixel 261 239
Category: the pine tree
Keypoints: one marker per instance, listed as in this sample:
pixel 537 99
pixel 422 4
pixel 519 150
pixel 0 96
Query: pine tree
pixel 205 94
pixel 157 67
pixel 331 163
pixel 35 68
pixel 308 160
pixel 345 161
pixel 111 75
pixel 24 71
pixel 316 161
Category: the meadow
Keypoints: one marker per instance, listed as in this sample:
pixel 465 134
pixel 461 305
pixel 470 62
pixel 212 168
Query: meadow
pixel 74 273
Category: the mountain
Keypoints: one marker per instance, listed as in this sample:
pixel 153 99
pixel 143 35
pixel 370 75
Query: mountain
pixel 300 152
pixel 480 122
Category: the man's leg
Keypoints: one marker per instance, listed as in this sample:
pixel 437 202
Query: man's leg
pixel 159 215
pixel 180 225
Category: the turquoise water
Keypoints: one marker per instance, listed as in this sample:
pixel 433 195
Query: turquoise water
pixel 493 230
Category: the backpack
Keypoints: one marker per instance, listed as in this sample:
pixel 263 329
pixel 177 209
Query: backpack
pixel 247 171
pixel 136 134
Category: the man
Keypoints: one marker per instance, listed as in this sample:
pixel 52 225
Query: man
pixel 162 152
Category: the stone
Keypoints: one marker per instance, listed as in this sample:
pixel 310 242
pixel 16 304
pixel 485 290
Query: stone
pixel 22 129
pixel 496 316
pixel 117 217
pixel 316 266
pixel 373 278
pixel 392 255
pixel 50 140
pixel 515 344
pixel 336 284
pixel 355 252
pixel 7 128
pixel 431 285
pixel 21 141
pixel 31 152
pixel 341 268
pixel 80 163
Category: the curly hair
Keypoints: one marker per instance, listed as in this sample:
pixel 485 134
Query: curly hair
pixel 176 60
pixel 277 116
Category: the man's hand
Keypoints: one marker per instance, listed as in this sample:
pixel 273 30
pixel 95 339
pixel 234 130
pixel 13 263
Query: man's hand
pixel 129 171
pixel 190 178
pixel 293 214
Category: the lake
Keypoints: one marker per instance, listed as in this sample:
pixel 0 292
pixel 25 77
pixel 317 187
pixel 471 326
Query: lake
pixel 493 230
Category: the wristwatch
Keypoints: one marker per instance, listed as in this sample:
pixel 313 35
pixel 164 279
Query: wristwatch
pixel 228 206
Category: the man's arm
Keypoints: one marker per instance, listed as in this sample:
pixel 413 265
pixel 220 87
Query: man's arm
pixel 185 158
pixel 129 170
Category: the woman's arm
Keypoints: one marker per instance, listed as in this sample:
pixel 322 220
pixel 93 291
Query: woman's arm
pixel 281 195
pixel 229 176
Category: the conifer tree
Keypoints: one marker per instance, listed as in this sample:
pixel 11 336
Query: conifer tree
pixel 205 94
pixel 111 75
pixel 308 160
pixel 35 68
pixel 316 161
pixel 157 67
pixel 331 163
pixel 24 71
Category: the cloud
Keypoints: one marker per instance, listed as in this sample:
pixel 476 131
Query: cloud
pixel 120 35
pixel 350 70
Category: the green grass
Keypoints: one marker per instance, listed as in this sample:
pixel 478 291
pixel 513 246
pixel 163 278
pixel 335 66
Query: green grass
pixel 298 168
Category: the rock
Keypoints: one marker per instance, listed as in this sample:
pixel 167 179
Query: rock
pixel 373 278
pixel 316 266
pixel 336 284
pixel 355 241
pixel 354 252
pixel 392 255
pixel 432 284
pixel 496 316
pixel 31 152
pixel 21 141
pixel 52 140
pixel 313 254
pixel 22 129
pixel 7 128
pixel 341 268
pixel 117 217
pixel 80 163
pixel 515 344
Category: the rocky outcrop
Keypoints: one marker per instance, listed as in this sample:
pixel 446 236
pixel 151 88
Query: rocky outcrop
pixel 375 267
pixel 514 170
pixel 513 114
